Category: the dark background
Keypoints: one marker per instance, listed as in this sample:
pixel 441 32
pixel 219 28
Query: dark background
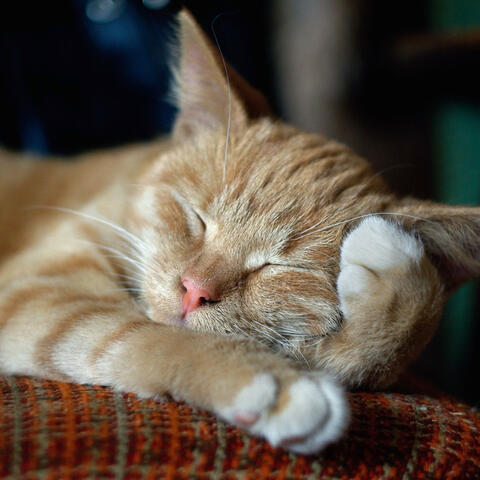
pixel 397 81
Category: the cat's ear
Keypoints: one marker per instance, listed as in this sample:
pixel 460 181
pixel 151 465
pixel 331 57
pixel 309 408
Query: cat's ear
pixel 205 95
pixel 451 236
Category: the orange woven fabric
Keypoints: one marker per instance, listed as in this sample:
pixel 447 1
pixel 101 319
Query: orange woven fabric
pixel 55 430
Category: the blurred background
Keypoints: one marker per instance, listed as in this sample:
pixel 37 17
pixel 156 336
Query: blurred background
pixel 397 81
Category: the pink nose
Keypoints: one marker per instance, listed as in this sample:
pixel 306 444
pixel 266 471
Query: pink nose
pixel 194 295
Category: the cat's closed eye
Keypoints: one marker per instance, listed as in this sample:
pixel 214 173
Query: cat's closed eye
pixel 196 223
pixel 200 221
pixel 277 266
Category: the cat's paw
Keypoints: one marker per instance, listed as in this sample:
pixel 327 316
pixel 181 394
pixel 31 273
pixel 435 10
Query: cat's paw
pixel 372 258
pixel 303 415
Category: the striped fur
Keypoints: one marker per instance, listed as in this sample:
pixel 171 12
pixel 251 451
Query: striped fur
pixel 277 222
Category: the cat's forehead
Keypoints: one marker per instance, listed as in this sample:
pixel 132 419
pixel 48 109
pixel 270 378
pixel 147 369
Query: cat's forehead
pixel 274 176
pixel 270 165
pixel 262 168
pixel 266 186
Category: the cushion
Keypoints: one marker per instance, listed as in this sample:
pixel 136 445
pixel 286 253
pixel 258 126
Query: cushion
pixel 60 431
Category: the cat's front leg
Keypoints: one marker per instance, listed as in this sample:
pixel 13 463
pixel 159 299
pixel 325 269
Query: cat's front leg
pixel 94 334
pixel 236 379
pixel 391 297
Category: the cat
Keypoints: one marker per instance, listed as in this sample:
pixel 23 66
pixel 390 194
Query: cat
pixel 240 265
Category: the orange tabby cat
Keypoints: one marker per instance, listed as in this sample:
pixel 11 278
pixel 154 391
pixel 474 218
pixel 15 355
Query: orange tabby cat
pixel 128 267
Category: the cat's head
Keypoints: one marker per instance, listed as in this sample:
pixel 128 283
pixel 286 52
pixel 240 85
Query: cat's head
pixel 242 217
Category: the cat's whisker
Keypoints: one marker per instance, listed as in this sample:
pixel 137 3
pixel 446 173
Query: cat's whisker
pixel 129 290
pixel 293 331
pixel 115 253
pixel 323 220
pixel 298 333
pixel 130 280
pixel 275 337
pixel 135 278
pixel 133 240
pixel 241 332
pixel 313 341
pixel 129 269
pixel 229 93
pixel 297 353
pixel 311 230
pixel 382 172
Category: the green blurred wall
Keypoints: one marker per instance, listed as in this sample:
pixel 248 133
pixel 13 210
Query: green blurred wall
pixel 456 139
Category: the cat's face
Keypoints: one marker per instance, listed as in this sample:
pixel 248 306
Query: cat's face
pixel 241 225
pixel 255 227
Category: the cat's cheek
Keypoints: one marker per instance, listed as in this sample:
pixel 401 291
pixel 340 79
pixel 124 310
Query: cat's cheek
pixel 162 290
pixel 167 317
pixel 166 310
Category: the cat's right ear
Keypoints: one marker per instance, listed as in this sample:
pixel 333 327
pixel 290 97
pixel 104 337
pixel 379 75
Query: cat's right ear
pixel 451 236
pixel 208 93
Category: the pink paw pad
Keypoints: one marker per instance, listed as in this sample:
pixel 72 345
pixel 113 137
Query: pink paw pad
pixel 246 418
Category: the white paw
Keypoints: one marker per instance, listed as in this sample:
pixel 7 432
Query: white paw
pixel 311 413
pixel 374 248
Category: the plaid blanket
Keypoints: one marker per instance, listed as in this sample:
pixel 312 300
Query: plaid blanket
pixel 55 430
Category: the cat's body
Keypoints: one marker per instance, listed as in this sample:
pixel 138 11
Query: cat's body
pixel 127 267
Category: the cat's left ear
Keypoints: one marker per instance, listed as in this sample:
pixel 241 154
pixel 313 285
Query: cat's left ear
pixel 205 95
pixel 451 236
